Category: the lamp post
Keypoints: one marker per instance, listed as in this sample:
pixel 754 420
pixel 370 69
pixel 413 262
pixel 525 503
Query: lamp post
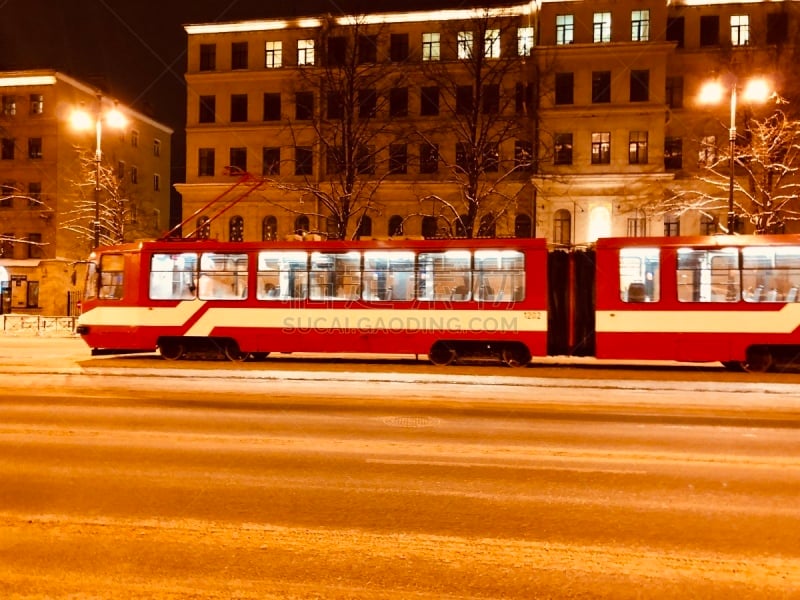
pixel 712 92
pixel 84 120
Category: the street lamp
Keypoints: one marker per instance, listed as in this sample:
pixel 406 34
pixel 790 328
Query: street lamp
pixel 713 92
pixel 83 120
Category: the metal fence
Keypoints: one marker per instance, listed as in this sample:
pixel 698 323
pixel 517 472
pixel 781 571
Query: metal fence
pixel 38 325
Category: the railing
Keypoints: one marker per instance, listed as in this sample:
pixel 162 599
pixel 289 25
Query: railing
pixel 38 325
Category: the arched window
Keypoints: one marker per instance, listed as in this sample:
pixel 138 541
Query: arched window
pixel 562 227
pixel 236 229
pixel 429 227
pixel 488 227
pixel 364 227
pixel 395 225
pixel 461 227
pixel 269 229
pixel 301 225
pixel 203 230
pixel 522 226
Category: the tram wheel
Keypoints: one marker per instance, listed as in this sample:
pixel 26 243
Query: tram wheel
pixel 515 355
pixel 233 353
pixel 171 349
pixel 759 360
pixel 441 354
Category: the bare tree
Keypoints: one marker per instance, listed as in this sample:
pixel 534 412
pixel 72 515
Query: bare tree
pixel 486 93
pixel 8 240
pixel 767 190
pixel 350 126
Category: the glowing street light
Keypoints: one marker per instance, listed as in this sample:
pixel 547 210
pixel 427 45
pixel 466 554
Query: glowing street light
pixel 713 92
pixel 84 120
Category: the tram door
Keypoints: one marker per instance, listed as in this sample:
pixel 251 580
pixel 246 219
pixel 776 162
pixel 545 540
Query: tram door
pixel 571 293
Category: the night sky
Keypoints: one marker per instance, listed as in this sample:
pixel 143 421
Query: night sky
pixel 135 49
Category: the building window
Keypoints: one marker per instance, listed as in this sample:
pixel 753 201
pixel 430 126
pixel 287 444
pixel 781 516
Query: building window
pixel 602 27
pixel 367 49
pixel 429 101
pixel 398 102
pixel 134 174
pixel 523 155
pixel 601 148
pixel 777 28
pixel 35 147
pixel 208 57
pixel 9 106
pixel 562 149
pixel 523 98
pixel 708 225
pixel 34 247
pixel 398 47
pixel 367 103
pixel 337 51
pixel 239 55
pixel 740 30
pixel 301 225
pixel 398 159
pixel 464 43
pixel 491 43
pixel 675 28
pixel 709 30
pixel 523 226
pixel 428 158
pixel 156 148
pixel 637 227
pixel 491 157
pixel 271 161
pixel 462 156
pixel 674 92
pixel 205 162
pixel 640 86
pixel 562 226
pixel 395 225
pixel 269 229
pixel 430 46
pixel 640 25
pixel 7 149
pixel 430 227
pixel 134 138
pixel 335 105
pixel 272 106
pixel 7 245
pixel 707 155
pixel 121 170
pixel 238 161
pixel 565 29
pixel 303 161
pixel 238 108
pixel 365 160
pixel 304 106
pixel 601 86
pixel 236 229
pixel 565 84
pixel 305 53
pixel 34 194
pixel 208 109
pixel 491 99
pixel 464 99
pixel 37 104
pixel 364 227
pixel 273 55
pixel 203 228
pixel 7 193
pixel 637 147
pixel 156 182
pixel 673 153
pixel 525 41
pixel 672 225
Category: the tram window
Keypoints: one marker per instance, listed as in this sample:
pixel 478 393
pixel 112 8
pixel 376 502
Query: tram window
pixel 92 282
pixel 708 275
pixel 388 275
pixel 173 276
pixel 639 274
pixel 770 274
pixel 111 276
pixel 282 275
pixel 444 275
pixel 499 276
pixel 335 276
pixel 222 276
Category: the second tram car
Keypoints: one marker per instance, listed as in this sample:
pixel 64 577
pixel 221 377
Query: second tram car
pixel 732 299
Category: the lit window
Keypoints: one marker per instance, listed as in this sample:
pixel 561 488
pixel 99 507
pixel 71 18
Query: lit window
pixel 464 44
pixel 430 46
pixel 37 104
pixel 740 30
pixel 640 25
pixel 708 151
pixel 305 53
pixel 274 55
pixel 525 41
pixel 601 148
pixel 637 148
pixel 602 27
pixel 565 29
pixel 491 43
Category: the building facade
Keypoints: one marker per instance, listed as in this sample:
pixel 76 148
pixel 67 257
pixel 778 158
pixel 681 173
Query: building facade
pixel 47 170
pixel 580 116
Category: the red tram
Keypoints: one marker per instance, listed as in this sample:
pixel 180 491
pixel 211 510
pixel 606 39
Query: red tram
pixel 732 299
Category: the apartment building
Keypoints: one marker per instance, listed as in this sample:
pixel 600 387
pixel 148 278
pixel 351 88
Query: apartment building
pixel 48 199
pixel 582 115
